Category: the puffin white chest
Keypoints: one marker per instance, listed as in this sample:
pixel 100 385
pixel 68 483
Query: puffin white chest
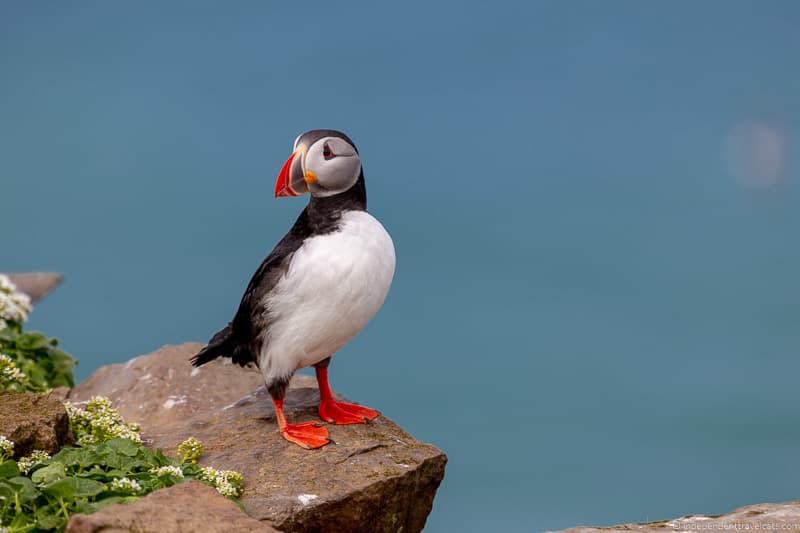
pixel 335 284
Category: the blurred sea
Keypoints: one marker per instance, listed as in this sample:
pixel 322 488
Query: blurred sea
pixel 594 205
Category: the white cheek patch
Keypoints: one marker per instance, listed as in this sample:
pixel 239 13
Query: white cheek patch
pixel 343 170
pixel 335 174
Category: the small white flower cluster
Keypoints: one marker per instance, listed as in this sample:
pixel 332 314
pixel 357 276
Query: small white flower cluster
pixel 100 422
pixel 6 448
pixel 227 482
pixel 37 456
pixel 10 375
pixel 124 484
pixel 167 471
pixel 14 305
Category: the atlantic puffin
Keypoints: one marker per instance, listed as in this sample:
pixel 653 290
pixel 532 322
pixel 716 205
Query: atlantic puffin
pixel 317 288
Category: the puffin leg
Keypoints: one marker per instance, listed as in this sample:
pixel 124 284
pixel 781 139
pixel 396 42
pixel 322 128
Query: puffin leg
pixel 339 412
pixel 308 435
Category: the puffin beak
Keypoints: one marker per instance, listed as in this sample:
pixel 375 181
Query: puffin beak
pixel 291 180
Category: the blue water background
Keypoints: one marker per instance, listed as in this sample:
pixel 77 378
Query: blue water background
pixel 592 314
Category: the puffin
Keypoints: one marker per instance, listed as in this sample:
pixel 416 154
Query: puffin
pixel 320 285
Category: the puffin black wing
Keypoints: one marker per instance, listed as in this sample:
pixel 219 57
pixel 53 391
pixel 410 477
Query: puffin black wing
pixel 242 338
pixel 220 345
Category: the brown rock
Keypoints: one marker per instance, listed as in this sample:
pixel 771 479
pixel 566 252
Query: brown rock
pixel 59 393
pixel 37 285
pixel 761 517
pixel 376 477
pixel 33 422
pixel 184 508
pixel 156 389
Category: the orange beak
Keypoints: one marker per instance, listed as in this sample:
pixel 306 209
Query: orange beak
pixel 283 185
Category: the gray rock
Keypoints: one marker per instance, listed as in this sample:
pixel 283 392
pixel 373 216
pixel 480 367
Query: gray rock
pixel 376 477
pixel 759 517
pixel 37 285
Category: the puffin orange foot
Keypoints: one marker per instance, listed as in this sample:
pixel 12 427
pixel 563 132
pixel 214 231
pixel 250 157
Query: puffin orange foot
pixel 308 435
pixel 346 413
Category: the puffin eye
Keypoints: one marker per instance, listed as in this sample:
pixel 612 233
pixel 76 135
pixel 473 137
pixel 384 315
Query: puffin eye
pixel 327 153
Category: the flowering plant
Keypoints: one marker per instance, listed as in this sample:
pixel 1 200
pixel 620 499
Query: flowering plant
pixel 99 422
pixel 14 305
pixel 6 448
pixel 29 361
pixel 110 465
pixel 190 450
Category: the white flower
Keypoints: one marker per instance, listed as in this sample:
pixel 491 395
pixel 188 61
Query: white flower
pixel 125 484
pixel 14 306
pixel 6 285
pixel 227 482
pixel 167 471
pixel 9 373
pixel 28 462
pixel 6 448
pixel 100 422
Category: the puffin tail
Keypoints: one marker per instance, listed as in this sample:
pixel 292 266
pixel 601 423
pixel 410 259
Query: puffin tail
pixel 220 345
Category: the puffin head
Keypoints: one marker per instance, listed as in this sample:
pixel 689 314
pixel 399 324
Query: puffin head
pixel 323 163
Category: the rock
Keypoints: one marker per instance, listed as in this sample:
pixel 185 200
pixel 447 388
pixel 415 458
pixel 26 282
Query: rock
pixel 37 285
pixel 157 388
pixel 33 422
pixel 376 477
pixel 59 393
pixel 184 508
pixel 763 517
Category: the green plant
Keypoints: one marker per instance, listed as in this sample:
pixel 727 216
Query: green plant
pixel 99 422
pixel 29 361
pixel 83 480
pixel 6 448
pixel 190 450
pixel 40 492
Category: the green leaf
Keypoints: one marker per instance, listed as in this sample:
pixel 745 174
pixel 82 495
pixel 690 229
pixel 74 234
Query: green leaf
pixel 21 522
pixel 111 474
pixel 83 457
pixel 91 507
pixel 50 473
pixel 49 518
pixel 7 491
pixel 25 490
pixel 8 469
pixel 74 487
pixel 38 358
pixel 124 446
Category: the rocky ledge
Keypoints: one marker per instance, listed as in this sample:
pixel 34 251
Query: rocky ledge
pixel 760 517
pixel 374 477
pixel 36 285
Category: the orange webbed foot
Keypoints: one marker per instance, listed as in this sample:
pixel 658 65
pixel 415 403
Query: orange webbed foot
pixel 346 413
pixel 308 435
